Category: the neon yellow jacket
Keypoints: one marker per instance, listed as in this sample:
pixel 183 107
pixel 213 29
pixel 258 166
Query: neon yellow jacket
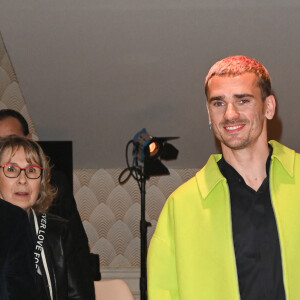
pixel 191 254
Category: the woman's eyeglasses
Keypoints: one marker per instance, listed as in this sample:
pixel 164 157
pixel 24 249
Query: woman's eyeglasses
pixel 13 171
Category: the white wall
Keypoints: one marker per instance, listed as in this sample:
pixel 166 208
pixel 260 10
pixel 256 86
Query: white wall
pixel 96 72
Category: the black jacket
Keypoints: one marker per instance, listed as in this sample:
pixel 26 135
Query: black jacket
pixel 67 272
pixel 64 205
pixel 16 259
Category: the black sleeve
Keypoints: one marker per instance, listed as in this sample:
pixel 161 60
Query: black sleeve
pixel 20 275
pixel 64 205
pixel 80 282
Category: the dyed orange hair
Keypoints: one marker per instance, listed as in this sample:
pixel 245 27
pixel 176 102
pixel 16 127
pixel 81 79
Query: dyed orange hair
pixel 238 65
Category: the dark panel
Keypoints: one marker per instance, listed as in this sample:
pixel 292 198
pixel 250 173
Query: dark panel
pixel 61 156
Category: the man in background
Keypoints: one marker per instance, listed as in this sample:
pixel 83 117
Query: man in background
pixel 64 205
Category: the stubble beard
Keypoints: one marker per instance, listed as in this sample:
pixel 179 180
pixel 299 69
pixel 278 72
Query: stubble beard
pixel 232 141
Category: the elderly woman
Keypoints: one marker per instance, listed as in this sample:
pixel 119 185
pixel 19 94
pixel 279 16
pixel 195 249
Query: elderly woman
pixel 25 182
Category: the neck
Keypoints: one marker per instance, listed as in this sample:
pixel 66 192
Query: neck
pixel 250 163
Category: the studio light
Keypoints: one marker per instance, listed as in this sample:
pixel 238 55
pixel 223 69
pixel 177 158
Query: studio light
pixel 150 150
pixel 145 146
pixel 147 153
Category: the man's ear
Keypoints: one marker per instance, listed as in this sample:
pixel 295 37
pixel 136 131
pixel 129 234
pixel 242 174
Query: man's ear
pixel 270 107
pixel 29 136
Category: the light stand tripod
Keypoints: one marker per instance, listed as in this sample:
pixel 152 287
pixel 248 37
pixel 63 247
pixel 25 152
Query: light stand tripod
pixel 138 174
pixel 147 150
pixel 143 231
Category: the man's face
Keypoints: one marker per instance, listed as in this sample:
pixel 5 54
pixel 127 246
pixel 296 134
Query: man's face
pixel 237 111
pixel 10 126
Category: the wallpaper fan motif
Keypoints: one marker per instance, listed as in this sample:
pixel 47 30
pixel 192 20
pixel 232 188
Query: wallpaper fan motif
pixel 10 93
pixel 111 212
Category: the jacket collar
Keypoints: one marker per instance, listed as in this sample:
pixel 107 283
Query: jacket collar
pixel 209 176
pixel 284 155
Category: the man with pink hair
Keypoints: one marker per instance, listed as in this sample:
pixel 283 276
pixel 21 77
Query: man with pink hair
pixel 233 231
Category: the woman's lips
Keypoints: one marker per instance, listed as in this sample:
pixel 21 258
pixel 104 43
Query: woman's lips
pixel 21 193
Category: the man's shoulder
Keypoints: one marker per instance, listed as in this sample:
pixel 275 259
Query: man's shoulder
pixel 282 151
pixel 206 174
pixel 279 148
pixel 186 186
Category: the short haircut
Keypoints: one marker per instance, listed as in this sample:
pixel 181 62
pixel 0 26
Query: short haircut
pixel 238 65
pixel 35 155
pixel 6 113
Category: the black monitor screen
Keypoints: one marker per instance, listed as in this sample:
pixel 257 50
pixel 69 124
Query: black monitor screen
pixel 61 156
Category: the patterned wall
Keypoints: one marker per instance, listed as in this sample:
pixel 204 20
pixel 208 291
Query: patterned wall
pixel 10 93
pixel 110 212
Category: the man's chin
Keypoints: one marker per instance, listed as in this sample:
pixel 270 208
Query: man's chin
pixel 236 144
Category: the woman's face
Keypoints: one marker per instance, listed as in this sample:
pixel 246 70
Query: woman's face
pixel 20 191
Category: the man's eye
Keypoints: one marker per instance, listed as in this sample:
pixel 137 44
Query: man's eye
pixel 218 103
pixel 243 101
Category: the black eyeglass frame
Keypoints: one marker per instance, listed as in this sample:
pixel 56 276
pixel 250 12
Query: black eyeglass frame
pixel 22 169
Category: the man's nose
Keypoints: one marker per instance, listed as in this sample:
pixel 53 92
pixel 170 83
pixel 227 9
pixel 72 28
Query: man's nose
pixel 231 112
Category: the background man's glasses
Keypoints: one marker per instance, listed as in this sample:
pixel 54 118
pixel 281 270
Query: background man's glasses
pixel 13 171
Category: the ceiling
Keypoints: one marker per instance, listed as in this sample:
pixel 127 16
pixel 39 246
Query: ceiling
pixel 96 72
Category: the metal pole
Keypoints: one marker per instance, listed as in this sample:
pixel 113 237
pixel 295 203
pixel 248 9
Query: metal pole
pixel 143 230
